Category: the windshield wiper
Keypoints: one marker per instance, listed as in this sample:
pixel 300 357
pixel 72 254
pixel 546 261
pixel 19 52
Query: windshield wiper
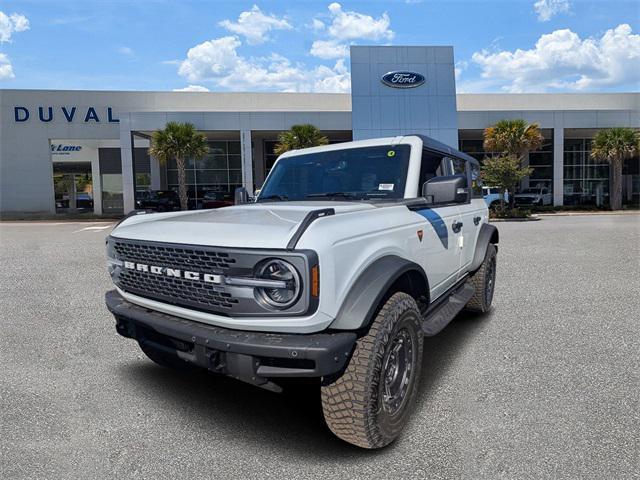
pixel 274 197
pixel 330 195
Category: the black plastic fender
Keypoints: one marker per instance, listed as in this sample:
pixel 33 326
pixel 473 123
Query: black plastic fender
pixel 488 234
pixel 369 289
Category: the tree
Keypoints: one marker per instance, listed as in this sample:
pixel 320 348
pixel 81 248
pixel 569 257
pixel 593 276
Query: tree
pixel 179 141
pixel 514 139
pixel 504 172
pixel 300 136
pixel 615 145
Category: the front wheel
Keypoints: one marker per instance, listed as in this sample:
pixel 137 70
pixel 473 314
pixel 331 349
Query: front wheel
pixel 370 403
pixel 483 281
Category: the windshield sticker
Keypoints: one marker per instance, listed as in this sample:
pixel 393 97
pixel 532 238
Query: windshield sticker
pixel 386 186
pixel 391 153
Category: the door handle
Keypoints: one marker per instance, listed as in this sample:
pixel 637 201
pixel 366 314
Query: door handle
pixel 456 227
pixel 476 220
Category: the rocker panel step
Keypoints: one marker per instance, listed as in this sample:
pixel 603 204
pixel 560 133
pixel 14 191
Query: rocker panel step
pixel 440 317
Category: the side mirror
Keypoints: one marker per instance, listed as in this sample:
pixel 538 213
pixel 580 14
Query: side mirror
pixel 449 189
pixel 241 196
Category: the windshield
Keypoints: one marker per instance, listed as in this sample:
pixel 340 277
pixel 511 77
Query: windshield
pixel 351 173
pixel 531 190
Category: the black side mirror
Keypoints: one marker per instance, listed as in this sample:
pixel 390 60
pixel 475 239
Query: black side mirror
pixel 448 189
pixel 241 196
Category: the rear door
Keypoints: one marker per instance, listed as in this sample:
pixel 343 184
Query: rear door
pixel 472 214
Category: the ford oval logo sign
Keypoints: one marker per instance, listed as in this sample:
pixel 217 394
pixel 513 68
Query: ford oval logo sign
pixel 402 79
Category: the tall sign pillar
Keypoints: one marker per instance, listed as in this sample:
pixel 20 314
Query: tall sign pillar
pixel 403 90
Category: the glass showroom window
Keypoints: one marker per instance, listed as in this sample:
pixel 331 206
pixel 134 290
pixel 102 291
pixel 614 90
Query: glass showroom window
pixel 586 181
pixel 541 161
pixel 219 172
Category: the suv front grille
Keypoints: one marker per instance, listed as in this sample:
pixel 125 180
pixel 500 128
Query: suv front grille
pixel 177 291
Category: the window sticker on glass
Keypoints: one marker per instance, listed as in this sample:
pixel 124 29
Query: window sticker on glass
pixel 386 186
pixel 391 153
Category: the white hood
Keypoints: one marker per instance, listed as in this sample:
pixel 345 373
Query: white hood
pixel 260 225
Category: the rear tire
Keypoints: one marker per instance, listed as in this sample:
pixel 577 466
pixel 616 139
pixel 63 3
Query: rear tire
pixel 164 359
pixel 371 402
pixel 483 281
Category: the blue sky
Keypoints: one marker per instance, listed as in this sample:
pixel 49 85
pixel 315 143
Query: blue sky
pixel 500 46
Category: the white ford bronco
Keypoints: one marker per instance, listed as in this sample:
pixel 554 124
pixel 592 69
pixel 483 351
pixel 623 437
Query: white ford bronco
pixel 348 257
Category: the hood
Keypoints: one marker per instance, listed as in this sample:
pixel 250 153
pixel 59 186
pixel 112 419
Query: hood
pixel 258 225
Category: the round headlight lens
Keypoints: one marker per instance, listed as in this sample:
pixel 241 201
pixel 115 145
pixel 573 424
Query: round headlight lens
pixel 279 270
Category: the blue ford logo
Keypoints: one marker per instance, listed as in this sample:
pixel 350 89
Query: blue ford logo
pixel 402 79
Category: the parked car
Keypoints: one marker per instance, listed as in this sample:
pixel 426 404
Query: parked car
pixel 84 200
pixel 537 196
pixel 492 196
pixel 304 282
pixel 160 201
pixel 141 196
pixel 213 199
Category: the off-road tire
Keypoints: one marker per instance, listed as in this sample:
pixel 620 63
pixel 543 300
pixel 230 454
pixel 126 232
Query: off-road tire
pixel 353 404
pixel 483 281
pixel 164 359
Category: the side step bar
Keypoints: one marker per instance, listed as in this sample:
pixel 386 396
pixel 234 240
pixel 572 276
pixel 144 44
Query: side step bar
pixel 443 312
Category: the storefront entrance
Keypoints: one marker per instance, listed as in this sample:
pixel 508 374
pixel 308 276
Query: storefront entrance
pixel 73 187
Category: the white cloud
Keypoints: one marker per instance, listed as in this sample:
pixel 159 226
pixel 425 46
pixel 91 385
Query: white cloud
pixel 6 70
pixel 128 51
pixel 192 88
pixel 562 60
pixel 546 9
pixel 346 25
pixel 218 61
pixel 10 24
pixel 327 49
pixel 460 67
pixel 317 25
pixel 254 25
pixel 211 59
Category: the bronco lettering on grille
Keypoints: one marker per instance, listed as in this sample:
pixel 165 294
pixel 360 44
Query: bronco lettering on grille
pixel 172 272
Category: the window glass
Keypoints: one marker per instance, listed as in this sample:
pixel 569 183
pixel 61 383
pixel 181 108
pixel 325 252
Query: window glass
pixel 354 173
pixel 219 170
pixel 476 180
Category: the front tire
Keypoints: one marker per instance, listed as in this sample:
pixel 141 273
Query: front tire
pixel 483 281
pixel 371 402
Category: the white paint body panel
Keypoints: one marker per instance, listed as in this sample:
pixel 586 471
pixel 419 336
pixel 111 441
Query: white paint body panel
pixel 346 243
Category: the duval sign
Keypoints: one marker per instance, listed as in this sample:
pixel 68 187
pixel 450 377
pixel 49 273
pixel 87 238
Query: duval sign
pixel 67 113
pixel 403 79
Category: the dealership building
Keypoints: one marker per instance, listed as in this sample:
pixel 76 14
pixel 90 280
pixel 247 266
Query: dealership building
pixel 74 151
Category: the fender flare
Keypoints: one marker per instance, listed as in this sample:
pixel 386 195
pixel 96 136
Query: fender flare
pixel 488 234
pixel 360 304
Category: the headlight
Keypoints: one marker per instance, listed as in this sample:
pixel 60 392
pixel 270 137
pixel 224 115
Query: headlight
pixel 287 291
pixel 113 264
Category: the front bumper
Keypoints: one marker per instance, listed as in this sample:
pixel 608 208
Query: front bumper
pixel 253 357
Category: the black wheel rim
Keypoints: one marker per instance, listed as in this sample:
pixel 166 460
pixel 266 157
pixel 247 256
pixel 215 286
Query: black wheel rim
pixel 490 279
pixel 396 372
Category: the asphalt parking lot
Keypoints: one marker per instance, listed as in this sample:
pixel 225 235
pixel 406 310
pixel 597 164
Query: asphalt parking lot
pixel 545 386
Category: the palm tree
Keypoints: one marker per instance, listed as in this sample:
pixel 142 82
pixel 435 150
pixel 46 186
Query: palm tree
pixel 615 145
pixel 300 136
pixel 513 139
pixel 179 141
